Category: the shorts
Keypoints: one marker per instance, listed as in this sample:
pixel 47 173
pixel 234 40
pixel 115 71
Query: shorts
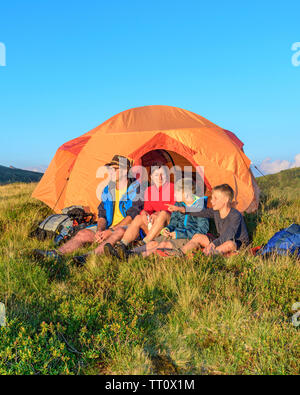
pixel 93 228
pixel 210 237
pixel 176 243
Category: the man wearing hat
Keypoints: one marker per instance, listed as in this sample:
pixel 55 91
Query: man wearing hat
pixel 120 204
pixel 153 218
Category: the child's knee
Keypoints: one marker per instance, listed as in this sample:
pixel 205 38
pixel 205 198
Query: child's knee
pixel 200 239
pixel 231 245
pixel 197 238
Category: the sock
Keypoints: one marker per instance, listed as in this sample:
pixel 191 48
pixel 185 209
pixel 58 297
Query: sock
pixel 139 250
pixel 124 242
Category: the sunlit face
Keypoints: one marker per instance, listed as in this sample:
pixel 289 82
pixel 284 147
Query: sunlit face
pixel 178 195
pixel 117 173
pixel 158 176
pixel 183 195
pixel 219 200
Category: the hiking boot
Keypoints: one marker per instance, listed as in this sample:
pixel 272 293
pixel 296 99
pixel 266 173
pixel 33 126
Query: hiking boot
pixel 80 260
pixel 123 251
pixel 51 254
pixel 139 243
pixel 110 252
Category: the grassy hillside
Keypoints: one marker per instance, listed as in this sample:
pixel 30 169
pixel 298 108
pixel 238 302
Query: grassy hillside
pixel 286 180
pixel 8 175
pixel 200 316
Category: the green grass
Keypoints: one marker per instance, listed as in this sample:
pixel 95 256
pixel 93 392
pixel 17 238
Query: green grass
pixel 151 316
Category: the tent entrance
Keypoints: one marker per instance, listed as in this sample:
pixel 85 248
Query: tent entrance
pixel 179 166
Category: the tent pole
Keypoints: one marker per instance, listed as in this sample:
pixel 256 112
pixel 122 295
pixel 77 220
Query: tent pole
pixel 259 171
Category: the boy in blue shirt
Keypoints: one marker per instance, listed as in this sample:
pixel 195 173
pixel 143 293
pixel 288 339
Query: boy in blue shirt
pixel 229 222
pixel 180 229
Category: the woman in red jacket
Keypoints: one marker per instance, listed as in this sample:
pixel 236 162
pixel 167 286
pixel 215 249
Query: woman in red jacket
pixel 155 215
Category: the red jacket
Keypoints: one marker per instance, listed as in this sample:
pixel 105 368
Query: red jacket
pixel 156 198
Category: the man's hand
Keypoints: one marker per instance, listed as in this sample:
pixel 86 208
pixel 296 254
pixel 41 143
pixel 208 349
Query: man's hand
pixel 102 235
pixel 173 208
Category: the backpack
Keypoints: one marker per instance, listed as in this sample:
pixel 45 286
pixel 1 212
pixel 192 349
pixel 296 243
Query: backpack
pixel 55 224
pixel 284 242
pixel 80 220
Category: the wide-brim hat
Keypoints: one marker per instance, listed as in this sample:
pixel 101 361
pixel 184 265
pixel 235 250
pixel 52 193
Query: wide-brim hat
pixel 119 160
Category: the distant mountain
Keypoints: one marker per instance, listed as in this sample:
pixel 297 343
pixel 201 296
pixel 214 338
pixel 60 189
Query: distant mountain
pixel 10 174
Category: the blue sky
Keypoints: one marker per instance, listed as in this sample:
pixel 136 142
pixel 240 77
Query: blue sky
pixel 73 64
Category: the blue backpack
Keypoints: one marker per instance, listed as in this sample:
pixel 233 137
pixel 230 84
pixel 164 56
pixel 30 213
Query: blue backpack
pixel 284 242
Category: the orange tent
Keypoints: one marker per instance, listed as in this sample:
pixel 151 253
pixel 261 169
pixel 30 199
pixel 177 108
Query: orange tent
pixel 188 139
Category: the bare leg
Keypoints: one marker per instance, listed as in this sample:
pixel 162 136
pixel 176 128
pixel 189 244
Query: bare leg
pixel 133 229
pixel 150 248
pixel 197 241
pixel 113 239
pixel 228 246
pixel 161 220
pixel 82 237
pixel 163 244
